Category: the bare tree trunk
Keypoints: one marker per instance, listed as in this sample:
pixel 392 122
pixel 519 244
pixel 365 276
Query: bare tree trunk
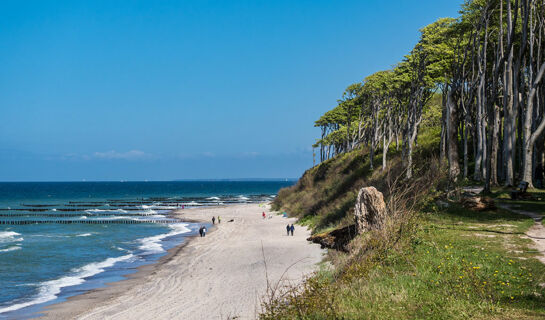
pixel 495 147
pixel 452 138
pixel 529 136
pixel 509 126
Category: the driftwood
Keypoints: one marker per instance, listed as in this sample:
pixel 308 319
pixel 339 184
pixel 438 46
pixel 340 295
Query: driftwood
pixel 478 203
pixel 337 239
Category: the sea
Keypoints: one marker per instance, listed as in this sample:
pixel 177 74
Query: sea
pixel 60 239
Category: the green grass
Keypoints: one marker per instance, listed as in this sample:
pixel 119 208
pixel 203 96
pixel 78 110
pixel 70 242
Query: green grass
pixel 451 264
pixel 443 263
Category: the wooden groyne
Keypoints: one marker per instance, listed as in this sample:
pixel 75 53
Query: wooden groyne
pixel 68 215
pixel 120 221
pixel 70 209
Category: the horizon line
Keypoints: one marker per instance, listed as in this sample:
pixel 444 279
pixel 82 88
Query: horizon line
pixel 174 180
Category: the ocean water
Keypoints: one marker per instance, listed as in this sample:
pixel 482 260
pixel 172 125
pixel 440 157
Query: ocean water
pixel 61 239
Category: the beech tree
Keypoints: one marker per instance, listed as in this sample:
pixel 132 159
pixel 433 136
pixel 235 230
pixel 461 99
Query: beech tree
pixel 488 66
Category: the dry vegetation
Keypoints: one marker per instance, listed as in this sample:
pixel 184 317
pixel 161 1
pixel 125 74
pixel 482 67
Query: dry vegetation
pixel 428 263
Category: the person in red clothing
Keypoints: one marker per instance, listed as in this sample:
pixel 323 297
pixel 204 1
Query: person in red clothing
pixel 264 215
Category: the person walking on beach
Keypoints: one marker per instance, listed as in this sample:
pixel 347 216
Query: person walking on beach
pixel 201 230
pixel 213 220
pixel 204 231
pixel 219 220
pixel 292 228
pixel 288 228
pixel 264 215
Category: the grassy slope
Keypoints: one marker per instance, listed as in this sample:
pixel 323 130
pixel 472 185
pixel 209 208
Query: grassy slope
pixel 451 266
pixel 445 263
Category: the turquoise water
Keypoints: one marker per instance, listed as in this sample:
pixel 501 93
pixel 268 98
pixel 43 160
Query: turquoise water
pixel 47 261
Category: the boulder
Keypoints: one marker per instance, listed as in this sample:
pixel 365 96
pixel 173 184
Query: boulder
pixel 478 203
pixel 370 211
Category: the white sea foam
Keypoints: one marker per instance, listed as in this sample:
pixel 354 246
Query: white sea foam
pixel 153 244
pixel 13 248
pixel 243 198
pixel 213 198
pixel 115 218
pixel 193 203
pixel 49 290
pixel 157 206
pixel 105 210
pixel 84 235
pixel 10 236
pixel 149 212
pixel 53 209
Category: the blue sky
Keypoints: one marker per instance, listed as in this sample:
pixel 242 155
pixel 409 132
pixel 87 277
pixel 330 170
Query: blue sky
pixel 162 90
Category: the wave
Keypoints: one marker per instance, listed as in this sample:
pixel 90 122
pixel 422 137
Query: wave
pixel 148 212
pixel 49 290
pixel 53 209
pixel 213 198
pixel 105 210
pixel 114 218
pixel 157 206
pixel 154 216
pixel 84 235
pixel 152 245
pixel 243 198
pixel 10 249
pixel 10 236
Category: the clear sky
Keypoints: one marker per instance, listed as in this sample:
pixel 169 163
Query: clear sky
pixel 163 90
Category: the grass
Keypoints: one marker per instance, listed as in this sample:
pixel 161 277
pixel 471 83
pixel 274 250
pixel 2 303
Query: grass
pixel 324 197
pixel 450 264
pixel 439 263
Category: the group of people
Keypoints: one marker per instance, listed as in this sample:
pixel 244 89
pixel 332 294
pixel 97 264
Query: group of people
pixel 290 229
pixel 202 231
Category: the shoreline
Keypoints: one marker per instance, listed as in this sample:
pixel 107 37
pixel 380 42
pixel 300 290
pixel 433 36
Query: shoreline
pixel 151 280
pixel 112 289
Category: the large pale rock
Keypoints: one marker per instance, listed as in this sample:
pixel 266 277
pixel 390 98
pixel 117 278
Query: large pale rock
pixel 370 212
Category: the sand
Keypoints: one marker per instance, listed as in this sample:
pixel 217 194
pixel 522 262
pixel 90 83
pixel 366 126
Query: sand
pixel 220 276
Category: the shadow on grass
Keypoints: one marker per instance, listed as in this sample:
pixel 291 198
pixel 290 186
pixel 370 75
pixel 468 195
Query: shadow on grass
pixel 458 213
pixel 473 230
pixel 336 215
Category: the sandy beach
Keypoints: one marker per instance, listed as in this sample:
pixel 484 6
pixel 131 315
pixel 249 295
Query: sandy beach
pixel 220 276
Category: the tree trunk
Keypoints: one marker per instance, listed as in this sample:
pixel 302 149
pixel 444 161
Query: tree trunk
pixel 452 138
